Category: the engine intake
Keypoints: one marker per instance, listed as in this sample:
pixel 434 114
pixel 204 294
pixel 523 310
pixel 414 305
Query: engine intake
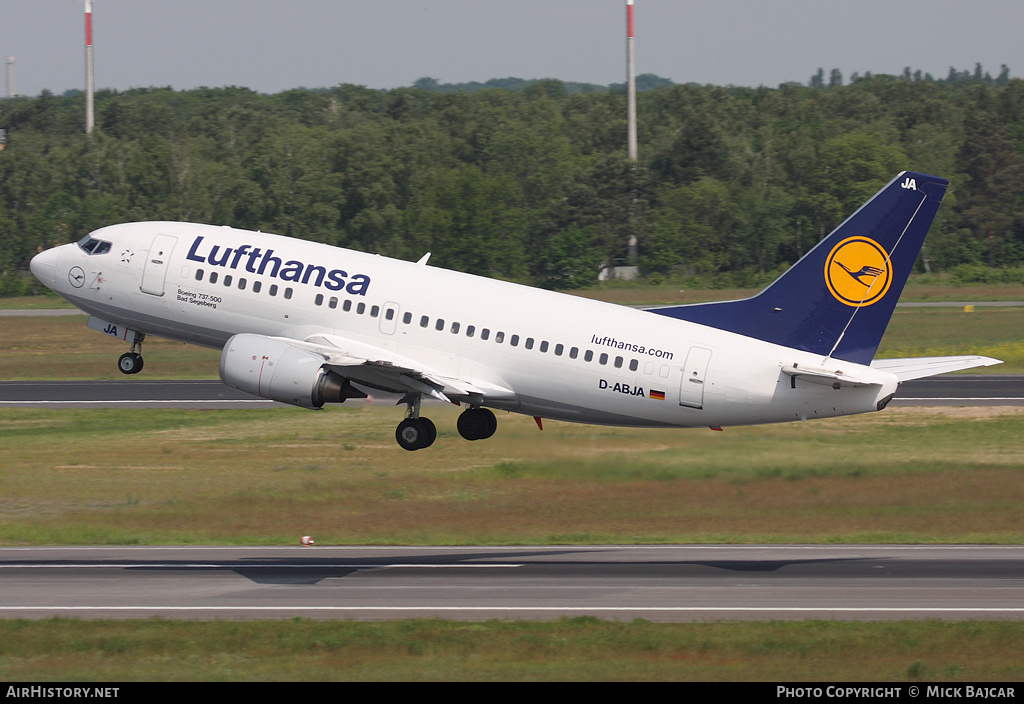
pixel 272 368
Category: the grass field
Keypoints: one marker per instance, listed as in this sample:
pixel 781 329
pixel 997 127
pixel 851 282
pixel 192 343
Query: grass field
pixel 918 288
pixel 580 649
pixel 928 332
pixel 268 476
pixel 64 348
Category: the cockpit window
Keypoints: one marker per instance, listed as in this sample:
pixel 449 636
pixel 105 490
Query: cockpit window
pixel 91 245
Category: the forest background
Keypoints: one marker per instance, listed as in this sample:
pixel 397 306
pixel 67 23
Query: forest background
pixel 528 180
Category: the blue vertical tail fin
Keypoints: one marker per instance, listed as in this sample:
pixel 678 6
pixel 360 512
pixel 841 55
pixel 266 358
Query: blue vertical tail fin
pixel 838 299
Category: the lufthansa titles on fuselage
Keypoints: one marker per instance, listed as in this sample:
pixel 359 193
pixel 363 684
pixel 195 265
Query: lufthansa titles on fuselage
pixel 264 263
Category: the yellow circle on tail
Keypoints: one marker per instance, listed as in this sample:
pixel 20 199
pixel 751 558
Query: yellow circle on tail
pixel 858 271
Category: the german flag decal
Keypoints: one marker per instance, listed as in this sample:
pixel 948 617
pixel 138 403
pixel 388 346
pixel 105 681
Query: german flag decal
pixel 657 395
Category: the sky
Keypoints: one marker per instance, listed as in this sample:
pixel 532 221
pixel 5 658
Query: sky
pixel 275 46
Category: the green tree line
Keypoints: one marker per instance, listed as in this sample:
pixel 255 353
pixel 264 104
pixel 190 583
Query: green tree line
pixel 529 184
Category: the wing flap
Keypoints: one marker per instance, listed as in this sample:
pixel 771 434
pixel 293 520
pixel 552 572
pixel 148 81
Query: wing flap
pixel 383 369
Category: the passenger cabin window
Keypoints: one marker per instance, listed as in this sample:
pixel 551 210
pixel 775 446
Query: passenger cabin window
pixel 319 300
pixel 589 356
pixel 241 284
pixel 424 321
pixel 273 288
pixel 407 318
pixel 514 341
pixel 288 293
pixel 257 286
pixel 346 306
pixel 199 274
pixel 213 277
pixel 227 279
pixel 439 325
pixel 455 328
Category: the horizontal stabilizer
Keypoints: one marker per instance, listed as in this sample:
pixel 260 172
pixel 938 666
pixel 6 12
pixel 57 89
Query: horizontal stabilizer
pixel 836 379
pixel 920 367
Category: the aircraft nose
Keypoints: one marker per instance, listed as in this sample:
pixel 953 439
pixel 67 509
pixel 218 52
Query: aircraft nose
pixel 44 266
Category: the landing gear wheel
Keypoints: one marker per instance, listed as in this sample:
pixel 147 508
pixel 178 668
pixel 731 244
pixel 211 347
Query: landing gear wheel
pixel 477 424
pixel 415 433
pixel 431 432
pixel 130 363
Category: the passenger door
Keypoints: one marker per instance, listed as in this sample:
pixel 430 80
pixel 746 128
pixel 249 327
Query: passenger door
pixel 691 387
pixel 154 273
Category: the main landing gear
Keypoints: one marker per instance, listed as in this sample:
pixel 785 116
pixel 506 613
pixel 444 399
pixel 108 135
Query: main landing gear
pixel 131 362
pixel 477 424
pixel 417 433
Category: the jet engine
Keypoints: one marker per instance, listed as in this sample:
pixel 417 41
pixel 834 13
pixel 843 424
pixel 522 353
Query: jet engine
pixel 272 368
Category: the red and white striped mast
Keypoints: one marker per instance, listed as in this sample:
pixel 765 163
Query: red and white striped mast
pixel 630 84
pixel 90 115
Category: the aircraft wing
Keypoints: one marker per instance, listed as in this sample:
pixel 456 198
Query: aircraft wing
pixel 383 369
pixel 920 367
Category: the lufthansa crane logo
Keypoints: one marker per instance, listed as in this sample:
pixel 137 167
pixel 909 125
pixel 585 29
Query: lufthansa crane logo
pixel 76 277
pixel 858 272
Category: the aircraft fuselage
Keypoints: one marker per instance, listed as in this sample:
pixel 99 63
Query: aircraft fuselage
pixel 531 351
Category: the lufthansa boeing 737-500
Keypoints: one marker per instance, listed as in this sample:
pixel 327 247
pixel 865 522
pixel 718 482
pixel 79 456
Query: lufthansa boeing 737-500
pixel 308 324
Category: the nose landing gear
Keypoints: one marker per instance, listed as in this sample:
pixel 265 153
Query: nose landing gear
pixel 131 362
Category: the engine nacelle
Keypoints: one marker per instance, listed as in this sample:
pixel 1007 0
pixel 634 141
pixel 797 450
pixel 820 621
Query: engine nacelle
pixel 272 368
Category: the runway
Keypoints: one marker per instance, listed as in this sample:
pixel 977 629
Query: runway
pixel 127 393
pixel 955 390
pixel 658 583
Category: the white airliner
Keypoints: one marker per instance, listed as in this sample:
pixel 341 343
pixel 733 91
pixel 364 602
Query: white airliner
pixel 307 324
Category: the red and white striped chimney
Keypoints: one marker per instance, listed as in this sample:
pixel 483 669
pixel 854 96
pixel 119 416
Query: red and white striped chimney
pixel 90 118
